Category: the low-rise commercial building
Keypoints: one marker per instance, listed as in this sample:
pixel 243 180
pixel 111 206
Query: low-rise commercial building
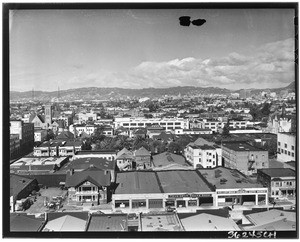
pixel 160 190
pixel 234 188
pixel 20 187
pixel 38 164
pixel 281 182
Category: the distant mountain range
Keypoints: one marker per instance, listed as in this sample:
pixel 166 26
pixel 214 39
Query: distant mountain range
pixel 97 93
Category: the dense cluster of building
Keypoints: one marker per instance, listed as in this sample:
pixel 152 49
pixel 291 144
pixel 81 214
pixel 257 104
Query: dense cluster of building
pixel 138 189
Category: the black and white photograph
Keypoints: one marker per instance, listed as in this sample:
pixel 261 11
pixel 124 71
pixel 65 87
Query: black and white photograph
pixel 150 120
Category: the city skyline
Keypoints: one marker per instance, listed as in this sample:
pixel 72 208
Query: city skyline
pixel 234 49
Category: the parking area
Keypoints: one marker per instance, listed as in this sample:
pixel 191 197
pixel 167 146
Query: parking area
pixel 46 195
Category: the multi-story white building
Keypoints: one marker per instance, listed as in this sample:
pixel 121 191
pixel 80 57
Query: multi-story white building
pixel 83 117
pixel 140 122
pixel 214 125
pixel 89 129
pixel 204 156
pixel 286 143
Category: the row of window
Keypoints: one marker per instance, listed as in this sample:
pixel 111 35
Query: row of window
pixel 143 124
pixel 281 184
pixel 285 145
pixel 282 151
pixel 158 203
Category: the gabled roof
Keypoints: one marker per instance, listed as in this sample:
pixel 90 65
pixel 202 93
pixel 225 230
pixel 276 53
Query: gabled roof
pixel 40 117
pixel 142 152
pixel 124 153
pixel 65 135
pixel 164 136
pixel 92 174
pixel 18 183
pixel 140 131
pixel 84 135
pixel 25 223
pixel 173 166
pixel 201 141
pixel 66 223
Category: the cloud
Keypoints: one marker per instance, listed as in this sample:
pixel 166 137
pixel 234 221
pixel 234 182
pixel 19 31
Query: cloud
pixel 271 64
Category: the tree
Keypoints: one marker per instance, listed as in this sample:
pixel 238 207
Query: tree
pixel 293 124
pixel 174 147
pixel 226 132
pixel 98 134
pixel 265 111
pixel 86 144
pixel 50 135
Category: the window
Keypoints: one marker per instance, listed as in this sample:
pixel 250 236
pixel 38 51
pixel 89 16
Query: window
pixel 121 203
pixel 292 154
pixel 289 153
pixel 293 147
pixel 263 164
pixel 281 151
pixel 181 203
pixel 177 123
pixel 138 203
pixel 155 203
pixel 170 203
pixel 285 145
pixel 192 203
pixel 278 143
pixel 285 152
pixel 140 124
pixel 125 124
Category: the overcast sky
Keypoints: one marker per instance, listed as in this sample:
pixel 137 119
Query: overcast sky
pixel 148 48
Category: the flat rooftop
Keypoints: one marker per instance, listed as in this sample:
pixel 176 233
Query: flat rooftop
pixel 160 222
pixel 91 152
pixel 108 222
pixel 225 178
pixel 279 172
pixel 186 181
pixel 137 182
pixel 37 161
pixel 241 146
pixel 84 163
pixel 168 158
pixel 208 222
